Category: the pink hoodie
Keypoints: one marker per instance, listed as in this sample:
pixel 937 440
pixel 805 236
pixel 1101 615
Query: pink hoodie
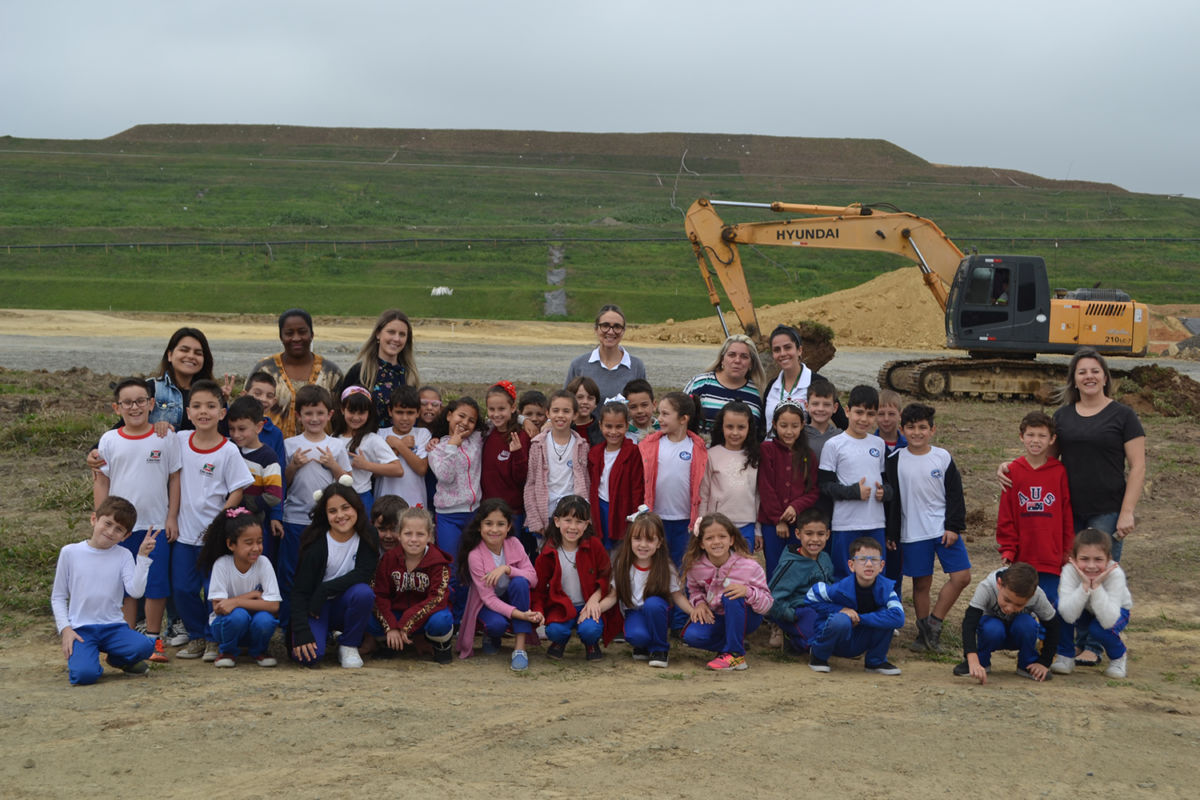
pixel 480 563
pixel 537 491
pixel 706 582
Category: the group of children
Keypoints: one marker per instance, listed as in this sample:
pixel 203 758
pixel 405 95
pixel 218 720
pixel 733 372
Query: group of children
pixel 553 517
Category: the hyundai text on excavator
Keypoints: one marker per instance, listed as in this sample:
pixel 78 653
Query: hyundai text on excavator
pixel 1000 308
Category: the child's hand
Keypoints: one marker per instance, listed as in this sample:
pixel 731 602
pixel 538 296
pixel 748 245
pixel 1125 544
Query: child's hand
pixel 162 428
pixel 300 457
pixel 591 610
pixel 327 459
pixel 532 617
pixel 172 528
pixel 758 542
pixel 879 491
pixel 1125 524
pixel 702 613
pixel 788 515
pixel 531 430
pixel 277 529
pixel 976 669
pixel 69 638
pixel 396 639
pixel 227 387
pixel 455 439
pixel 148 543
pixel 781 530
pixel 735 591
pixel 949 538
pixel 225 605
pixel 94 461
pixel 305 652
pixel 1037 671
pixel 864 491
pixel 852 614
pixel 433 443
pixel 493 577
pixel 514 442
pixel 892 545
pixel 358 461
pixel 1002 475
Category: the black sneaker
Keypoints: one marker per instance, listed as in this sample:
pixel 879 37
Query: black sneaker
pixel 641 654
pixel 593 652
pixel 1024 673
pixel 136 668
pixel 962 669
pixel 883 668
pixel 443 652
pixel 818 664
pixel 659 659
pixel 555 650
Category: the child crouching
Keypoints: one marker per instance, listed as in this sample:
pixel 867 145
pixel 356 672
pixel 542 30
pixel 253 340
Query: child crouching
pixel 1092 594
pixel 412 588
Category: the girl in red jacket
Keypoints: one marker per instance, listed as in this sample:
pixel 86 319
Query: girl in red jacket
pixel 787 480
pixel 505 460
pixel 615 481
pixel 573 573
pixel 412 588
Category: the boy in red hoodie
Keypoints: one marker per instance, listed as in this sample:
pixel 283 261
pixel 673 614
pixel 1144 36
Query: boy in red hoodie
pixel 412 588
pixel 1035 524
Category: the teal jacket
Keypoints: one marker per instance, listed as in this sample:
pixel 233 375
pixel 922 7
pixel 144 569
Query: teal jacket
pixel 793 577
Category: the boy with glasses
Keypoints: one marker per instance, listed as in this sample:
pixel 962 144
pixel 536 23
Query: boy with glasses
pixel 858 614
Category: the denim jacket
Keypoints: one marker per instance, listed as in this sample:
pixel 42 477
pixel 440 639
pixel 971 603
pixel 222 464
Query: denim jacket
pixel 168 402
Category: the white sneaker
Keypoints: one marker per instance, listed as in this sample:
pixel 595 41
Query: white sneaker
pixel 1116 667
pixel 225 661
pixel 349 657
pixel 265 661
pixel 211 652
pixel 1062 665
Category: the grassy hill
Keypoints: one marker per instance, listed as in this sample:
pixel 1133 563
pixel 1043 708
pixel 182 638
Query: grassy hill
pixel 235 218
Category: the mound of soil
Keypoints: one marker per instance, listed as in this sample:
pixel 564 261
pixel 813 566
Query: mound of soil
pixel 892 310
pixel 1153 389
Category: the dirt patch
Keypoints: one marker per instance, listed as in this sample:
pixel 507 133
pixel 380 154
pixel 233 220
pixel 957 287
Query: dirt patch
pixel 1153 389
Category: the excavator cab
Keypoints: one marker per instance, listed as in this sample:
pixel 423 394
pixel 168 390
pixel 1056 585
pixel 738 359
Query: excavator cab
pixel 998 305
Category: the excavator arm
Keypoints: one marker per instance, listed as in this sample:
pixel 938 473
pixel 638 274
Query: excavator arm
pixel 853 227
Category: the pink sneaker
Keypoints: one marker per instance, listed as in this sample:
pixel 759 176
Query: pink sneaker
pixel 727 661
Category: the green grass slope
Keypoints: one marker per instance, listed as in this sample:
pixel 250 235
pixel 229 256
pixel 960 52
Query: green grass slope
pixel 256 218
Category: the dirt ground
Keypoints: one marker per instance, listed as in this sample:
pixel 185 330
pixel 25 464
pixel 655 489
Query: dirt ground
pixel 616 728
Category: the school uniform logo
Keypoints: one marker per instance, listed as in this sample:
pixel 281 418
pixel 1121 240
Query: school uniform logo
pixel 505 455
pixel 209 469
pixel 874 451
pixel 685 456
pixel 935 473
pixel 1036 502
pixel 154 457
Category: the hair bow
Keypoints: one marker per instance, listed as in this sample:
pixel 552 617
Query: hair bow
pixel 508 388
pixel 236 511
pixel 642 509
pixel 349 390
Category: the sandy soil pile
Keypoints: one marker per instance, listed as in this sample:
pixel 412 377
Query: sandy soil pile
pixel 892 310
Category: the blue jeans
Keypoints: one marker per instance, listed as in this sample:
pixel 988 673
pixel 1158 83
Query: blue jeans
pixel 243 628
pixel 122 643
pixel 996 634
pixel 727 633
pixel 841 637
pixel 646 627
pixel 1108 638
pixel 449 532
pixel 678 533
pixel 589 630
pixel 348 613
pixel 517 596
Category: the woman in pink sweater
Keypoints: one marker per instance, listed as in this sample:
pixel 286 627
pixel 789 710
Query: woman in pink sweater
pixel 727 589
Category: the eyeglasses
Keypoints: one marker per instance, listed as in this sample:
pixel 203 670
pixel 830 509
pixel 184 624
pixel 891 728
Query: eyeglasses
pixel 141 402
pixel 432 403
pixel 610 327
pixel 867 559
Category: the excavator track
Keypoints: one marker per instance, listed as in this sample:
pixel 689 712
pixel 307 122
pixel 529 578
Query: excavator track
pixel 982 378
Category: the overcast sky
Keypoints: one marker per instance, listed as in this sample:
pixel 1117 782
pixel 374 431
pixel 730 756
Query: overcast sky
pixel 1104 91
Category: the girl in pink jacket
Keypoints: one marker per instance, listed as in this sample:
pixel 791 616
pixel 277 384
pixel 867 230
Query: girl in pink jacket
pixel 500 576
pixel 456 461
pixel 673 461
pixel 558 464
pixel 727 589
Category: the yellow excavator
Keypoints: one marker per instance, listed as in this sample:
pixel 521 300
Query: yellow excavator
pixel 1000 309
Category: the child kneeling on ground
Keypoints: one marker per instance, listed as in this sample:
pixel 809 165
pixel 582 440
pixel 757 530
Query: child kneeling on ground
pixel 1004 615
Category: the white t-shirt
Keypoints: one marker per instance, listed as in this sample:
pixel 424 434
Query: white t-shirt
pixel 206 478
pixel 778 393
pixel 341 556
pixel 560 475
pixel 227 581
pixel 373 449
pixel 90 584
pixel 922 494
pixel 410 485
pixel 570 576
pixel 138 469
pixel 610 457
pixel 502 584
pixel 853 459
pixel 673 485
pixel 637 585
pixel 311 477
